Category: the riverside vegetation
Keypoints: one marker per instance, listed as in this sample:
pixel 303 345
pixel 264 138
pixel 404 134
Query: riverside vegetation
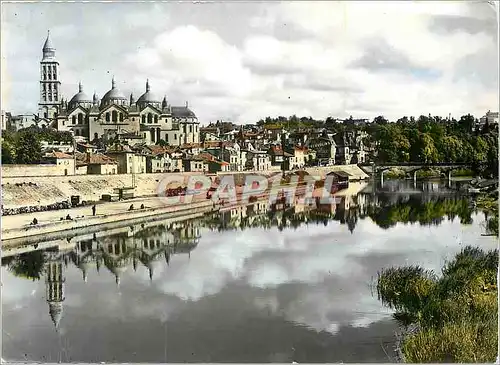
pixel 426 139
pixel 452 317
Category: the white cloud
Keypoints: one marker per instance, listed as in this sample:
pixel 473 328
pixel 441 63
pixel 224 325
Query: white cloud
pixel 331 268
pixel 275 59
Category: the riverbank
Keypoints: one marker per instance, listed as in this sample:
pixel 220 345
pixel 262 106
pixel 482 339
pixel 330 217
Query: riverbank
pixel 18 192
pixel 17 228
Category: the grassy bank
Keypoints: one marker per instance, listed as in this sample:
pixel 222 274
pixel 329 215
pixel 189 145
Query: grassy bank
pixel 451 317
pixel 489 204
pixel 455 314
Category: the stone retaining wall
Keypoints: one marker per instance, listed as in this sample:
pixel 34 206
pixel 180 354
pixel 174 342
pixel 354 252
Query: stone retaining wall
pixel 120 218
pixel 46 190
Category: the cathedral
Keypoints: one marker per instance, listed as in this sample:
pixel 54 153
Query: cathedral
pixel 114 115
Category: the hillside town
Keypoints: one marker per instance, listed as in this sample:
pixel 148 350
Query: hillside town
pixel 119 134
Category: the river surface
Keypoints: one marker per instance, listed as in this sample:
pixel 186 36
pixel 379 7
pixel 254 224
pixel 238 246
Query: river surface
pixel 251 284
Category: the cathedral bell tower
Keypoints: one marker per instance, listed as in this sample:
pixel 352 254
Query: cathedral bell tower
pixel 50 86
pixel 54 286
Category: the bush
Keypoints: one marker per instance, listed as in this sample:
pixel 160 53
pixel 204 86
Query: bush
pixel 456 314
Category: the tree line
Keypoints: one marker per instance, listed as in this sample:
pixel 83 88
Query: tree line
pixel 426 139
pixel 24 146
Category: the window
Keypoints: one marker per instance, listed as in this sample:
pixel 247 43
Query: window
pixel 80 118
pixel 73 119
pixel 114 116
pixel 175 136
pixel 121 117
pixel 190 128
pixel 144 118
pixel 107 116
pixel 150 118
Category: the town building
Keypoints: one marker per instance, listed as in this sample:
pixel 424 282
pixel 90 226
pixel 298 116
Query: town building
pixel 490 118
pixel 113 115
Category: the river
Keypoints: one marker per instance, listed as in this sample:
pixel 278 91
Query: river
pixel 249 284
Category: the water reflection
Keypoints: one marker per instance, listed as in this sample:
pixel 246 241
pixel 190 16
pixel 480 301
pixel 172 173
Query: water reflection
pixel 259 268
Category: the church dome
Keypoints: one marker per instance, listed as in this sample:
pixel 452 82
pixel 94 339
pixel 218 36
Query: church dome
pixel 79 98
pixel 148 97
pixel 113 96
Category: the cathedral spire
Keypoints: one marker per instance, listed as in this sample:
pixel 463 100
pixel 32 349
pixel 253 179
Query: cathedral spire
pixel 147 85
pixel 132 100
pixel 164 102
pixel 113 83
pixel 47 46
pixel 80 87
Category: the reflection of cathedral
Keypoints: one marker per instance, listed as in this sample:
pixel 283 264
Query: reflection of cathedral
pixel 115 114
pixel 54 285
pixel 147 246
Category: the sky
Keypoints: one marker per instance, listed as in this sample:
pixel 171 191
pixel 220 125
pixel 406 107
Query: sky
pixel 241 61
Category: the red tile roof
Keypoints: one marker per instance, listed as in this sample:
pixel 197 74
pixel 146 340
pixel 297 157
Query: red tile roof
pixel 59 155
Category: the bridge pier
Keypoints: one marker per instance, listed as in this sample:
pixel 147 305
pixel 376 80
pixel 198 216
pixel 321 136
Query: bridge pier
pixel 415 176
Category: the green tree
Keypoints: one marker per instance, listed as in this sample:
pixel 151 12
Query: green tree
pixel 466 123
pixel 8 152
pixel 28 149
pixel 380 120
pixel 28 265
pixel 451 149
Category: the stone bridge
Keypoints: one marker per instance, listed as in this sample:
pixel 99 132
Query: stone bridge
pixel 413 167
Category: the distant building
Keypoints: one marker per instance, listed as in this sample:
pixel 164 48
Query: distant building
pixel 129 162
pixel 64 161
pixel 22 121
pixel 490 118
pixel 114 114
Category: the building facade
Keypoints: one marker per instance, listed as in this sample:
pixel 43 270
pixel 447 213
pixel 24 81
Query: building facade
pixel 114 114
